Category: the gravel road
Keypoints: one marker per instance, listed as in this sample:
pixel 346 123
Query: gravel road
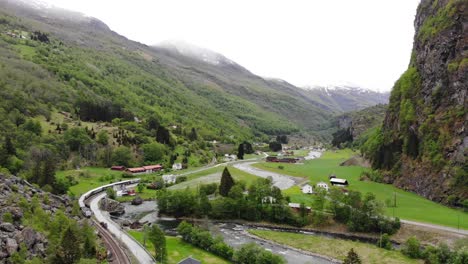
pixel 279 180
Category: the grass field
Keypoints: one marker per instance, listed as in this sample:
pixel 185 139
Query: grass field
pixel 409 205
pixel 335 248
pixel 214 176
pixel 93 177
pixel 178 250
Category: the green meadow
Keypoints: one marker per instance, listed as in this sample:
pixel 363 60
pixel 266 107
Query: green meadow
pixel 410 206
pixel 89 178
pixel 335 248
pixel 178 250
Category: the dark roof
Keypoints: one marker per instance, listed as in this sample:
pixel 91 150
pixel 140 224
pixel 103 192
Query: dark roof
pixel 189 260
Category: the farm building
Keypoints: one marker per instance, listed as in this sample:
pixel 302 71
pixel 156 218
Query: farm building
pixel 297 206
pixel 138 170
pixel 177 166
pixel 152 168
pixel 307 189
pixel 338 182
pixel 118 168
pixel 144 169
pixel 323 185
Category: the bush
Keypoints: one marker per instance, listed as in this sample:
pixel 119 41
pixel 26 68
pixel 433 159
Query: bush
pixel 111 194
pixel 7 217
pixel 181 179
pixel 384 242
pixel 412 248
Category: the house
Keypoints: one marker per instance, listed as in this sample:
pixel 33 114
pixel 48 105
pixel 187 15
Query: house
pixel 189 260
pixel 269 199
pixel 169 179
pixel 323 185
pixel 297 207
pixel 177 166
pixel 118 168
pixel 307 189
pixel 231 157
pixel 338 182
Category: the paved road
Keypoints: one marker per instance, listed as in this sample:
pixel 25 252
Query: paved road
pixel 140 254
pixel 437 227
pixel 279 180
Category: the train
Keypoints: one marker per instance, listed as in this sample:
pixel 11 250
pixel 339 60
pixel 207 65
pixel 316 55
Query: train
pixel 86 211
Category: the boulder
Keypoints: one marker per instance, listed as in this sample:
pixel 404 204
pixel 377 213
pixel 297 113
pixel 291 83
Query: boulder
pixel 137 201
pixel 7 227
pixel 28 237
pixel 11 246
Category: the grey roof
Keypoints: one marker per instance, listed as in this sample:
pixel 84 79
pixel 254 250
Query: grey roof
pixel 189 260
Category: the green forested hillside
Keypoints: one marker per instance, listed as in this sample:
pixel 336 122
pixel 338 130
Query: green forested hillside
pixel 75 93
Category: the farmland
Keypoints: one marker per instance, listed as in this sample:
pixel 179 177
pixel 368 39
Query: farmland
pixel 409 205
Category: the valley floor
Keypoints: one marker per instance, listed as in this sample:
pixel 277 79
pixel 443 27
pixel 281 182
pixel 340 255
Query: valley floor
pixel 410 206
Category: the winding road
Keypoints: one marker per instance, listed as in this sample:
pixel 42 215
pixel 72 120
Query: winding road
pixel 140 253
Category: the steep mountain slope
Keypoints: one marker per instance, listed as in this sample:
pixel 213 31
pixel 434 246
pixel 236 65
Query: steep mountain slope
pixel 357 125
pixel 346 98
pixel 94 64
pixel 423 142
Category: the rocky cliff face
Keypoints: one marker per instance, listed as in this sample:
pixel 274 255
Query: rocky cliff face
pixel 13 232
pixel 423 142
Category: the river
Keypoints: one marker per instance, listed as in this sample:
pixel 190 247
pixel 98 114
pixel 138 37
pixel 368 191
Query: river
pixel 234 234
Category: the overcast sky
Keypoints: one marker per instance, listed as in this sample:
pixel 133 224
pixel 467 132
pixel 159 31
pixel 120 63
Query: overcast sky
pixel 305 42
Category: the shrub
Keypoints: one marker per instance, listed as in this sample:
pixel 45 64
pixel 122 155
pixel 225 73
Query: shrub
pixel 181 179
pixel 412 248
pixel 384 242
pixel 111 194
pixel 7 217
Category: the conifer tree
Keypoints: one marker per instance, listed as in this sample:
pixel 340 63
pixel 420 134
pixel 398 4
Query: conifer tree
pixel 69 249
pixel 240 151
pixel 226 182
pixel 352 258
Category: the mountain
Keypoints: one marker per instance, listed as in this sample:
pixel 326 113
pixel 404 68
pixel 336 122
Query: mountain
pixel 86 61
pixel 346 98
pixel 355 126
pixel 422 144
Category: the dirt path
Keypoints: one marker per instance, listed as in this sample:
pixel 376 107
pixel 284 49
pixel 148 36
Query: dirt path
pixel 279 180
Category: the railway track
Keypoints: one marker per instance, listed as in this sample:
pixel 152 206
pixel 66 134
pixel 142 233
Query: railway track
pixel 117 253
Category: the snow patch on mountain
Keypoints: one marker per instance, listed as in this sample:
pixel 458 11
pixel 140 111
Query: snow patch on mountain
pixel 196 52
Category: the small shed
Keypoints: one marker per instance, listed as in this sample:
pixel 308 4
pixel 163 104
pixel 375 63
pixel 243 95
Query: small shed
pixel 118 168
pixel 338 182
pixel 331 176
pixel 308 189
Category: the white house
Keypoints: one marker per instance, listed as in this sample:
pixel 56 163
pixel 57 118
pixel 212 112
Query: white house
pixel 307 189
pixel 169 179
pixel 269 199
pixel 323 185
pixel 177 166
pixel 231 157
